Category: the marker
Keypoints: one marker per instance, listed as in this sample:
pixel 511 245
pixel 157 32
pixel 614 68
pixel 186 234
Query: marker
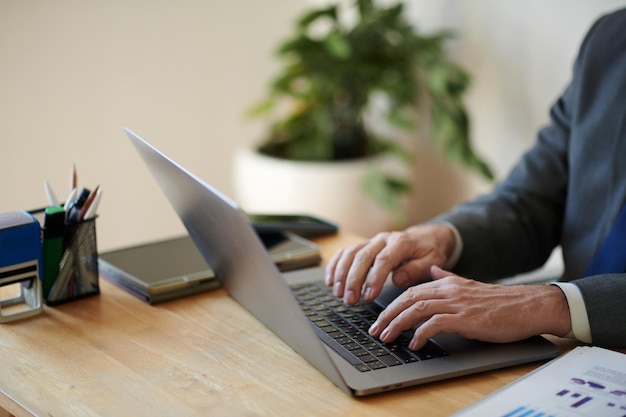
pixel 52 246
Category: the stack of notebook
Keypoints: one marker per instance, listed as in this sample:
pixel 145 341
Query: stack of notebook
pixel 174 268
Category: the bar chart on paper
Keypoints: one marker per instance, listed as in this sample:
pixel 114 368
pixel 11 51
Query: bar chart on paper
pixel 587 382
pixel 568 402
pixel 529 412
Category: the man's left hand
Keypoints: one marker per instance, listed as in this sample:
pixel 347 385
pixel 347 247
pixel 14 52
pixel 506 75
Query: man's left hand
pixel 474 310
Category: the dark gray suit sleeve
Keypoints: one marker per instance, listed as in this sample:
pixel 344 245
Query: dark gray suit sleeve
pixel 567 189
pixel 515 228
pixel 605 301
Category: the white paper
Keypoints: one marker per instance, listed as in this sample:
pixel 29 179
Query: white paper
pixel 586 382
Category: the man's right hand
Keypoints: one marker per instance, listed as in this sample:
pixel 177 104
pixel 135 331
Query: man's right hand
pixel 362 269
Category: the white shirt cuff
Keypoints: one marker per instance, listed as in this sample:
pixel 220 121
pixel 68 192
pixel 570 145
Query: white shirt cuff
pixel 577 310
pixel 458 246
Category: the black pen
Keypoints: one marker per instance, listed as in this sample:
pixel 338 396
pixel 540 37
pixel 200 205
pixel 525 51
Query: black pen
pixel 74 209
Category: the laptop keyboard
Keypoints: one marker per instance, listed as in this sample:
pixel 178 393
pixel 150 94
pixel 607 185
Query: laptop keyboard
pixel 344 328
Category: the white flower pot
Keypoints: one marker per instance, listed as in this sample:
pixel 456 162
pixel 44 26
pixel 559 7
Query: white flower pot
pixel 331 190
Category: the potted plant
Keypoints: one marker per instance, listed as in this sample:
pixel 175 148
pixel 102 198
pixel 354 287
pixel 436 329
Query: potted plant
pixel 318 105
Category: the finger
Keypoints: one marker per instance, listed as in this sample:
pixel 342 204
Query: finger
pixel 432 327
pixel 362 264
pixel 339 266
pixel 417 314
pixel 376 277
pixel 412 307
pixel 397 250
pixel 392 311
pixel 438 273
pixel 331 267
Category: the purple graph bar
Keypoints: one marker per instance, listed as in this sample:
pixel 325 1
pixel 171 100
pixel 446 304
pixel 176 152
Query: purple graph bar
pixel 581 402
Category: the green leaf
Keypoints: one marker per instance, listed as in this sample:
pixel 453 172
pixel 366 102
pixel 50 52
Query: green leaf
pixel 309 18
pixel 387 191
pixel 400 120
pixel 365 6
pixel 261 108
pixel 338 46
pixel 400 152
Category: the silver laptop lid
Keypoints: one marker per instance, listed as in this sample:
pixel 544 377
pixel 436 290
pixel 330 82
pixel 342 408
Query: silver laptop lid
pixel 226 239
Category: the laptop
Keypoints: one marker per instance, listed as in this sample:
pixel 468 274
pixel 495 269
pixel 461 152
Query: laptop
pixel 225 237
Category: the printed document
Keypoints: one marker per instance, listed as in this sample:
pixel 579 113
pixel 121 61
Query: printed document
pixel 585 382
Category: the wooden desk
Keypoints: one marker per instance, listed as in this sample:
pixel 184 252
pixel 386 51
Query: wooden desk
pixel 113 355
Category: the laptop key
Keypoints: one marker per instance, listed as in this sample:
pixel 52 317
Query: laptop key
pixel 379 352
pixel 431 351
pixel 363 367
pixel 389 360
pixel 367 358
pixel 352 346
pixel 359 352
pixel 335 334
pixel 376 365
pixel 405 356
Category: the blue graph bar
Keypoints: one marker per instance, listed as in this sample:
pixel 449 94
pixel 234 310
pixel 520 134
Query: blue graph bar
pixel 525 412
pixel 514 412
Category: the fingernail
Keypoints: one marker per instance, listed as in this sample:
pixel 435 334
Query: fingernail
pixel 349 297
pixel 338 289
pixel 367 295
pixel 373 329
pixel 384 335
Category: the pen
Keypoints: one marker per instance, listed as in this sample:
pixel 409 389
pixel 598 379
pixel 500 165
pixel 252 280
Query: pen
pixel 93 208
pixel 87 204
pixel 73 178
pixel 69 201
pixel 52 199
pixel 74 208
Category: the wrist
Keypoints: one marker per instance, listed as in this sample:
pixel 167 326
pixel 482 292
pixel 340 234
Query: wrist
pixel 457 246
pixel 557 312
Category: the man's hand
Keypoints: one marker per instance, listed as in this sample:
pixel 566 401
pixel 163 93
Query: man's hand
pixel 475 310
pixel 362 269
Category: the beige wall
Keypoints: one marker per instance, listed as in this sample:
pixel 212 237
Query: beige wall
pixel 73 73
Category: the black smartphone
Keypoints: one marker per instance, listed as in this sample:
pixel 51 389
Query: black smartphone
pixel 300 224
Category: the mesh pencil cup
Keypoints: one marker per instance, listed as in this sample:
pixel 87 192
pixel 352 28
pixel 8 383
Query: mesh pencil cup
pixel 78 269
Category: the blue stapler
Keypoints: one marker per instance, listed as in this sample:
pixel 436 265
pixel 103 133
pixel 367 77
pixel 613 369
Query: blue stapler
pixel 20 266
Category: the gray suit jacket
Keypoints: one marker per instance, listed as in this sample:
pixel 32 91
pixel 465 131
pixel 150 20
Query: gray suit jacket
pixel 567 190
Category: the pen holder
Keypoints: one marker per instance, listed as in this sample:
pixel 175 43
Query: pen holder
pixel 78 269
